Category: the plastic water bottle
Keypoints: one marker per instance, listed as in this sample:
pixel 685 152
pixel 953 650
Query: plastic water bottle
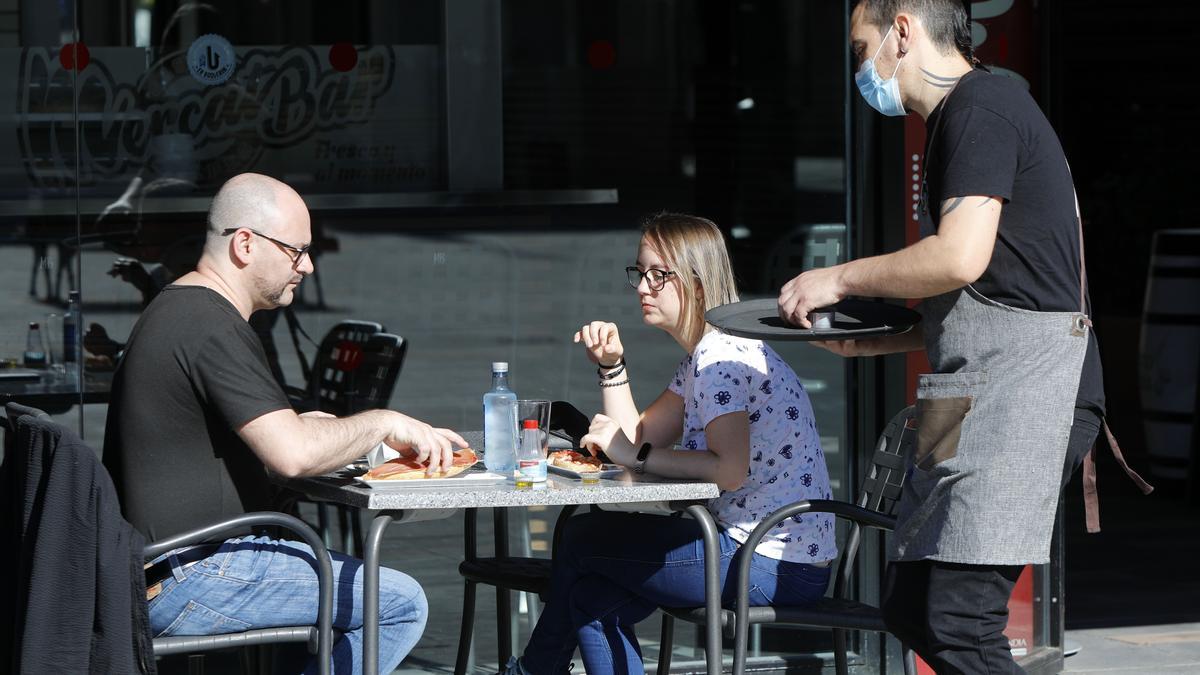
pixel 35 349
pixel 531 461
pixel 500 423
pixel 70 325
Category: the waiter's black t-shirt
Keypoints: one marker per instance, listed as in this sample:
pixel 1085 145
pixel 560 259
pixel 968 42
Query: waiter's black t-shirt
pixel 988 137
pixel 192 373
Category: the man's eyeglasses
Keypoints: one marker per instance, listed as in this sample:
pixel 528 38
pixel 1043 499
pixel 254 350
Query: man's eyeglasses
pixel 297 252
pixel 656 279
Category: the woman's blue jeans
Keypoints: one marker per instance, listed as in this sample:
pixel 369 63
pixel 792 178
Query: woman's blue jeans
pixel 614 569
pixel 257 582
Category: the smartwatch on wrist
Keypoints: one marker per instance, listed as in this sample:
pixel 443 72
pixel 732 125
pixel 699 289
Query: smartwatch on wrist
pixel 639 465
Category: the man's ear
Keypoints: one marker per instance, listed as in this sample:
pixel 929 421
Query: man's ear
pixel 239 247
pixel 905 26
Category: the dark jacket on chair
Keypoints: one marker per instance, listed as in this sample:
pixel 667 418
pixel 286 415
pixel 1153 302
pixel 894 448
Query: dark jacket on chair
pixel 76 584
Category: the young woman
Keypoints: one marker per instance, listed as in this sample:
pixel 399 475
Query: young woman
pixel 744 422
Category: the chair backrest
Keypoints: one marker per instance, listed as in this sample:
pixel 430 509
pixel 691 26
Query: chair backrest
pixel 340 353
pixel 805 247
pixel 882 485
pixel 371 384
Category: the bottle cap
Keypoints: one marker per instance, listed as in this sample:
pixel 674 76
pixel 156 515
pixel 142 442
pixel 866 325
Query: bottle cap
pixel 529 424
pixel 499 366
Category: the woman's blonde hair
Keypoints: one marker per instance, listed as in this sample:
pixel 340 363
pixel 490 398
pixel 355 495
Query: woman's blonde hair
pixel 693 244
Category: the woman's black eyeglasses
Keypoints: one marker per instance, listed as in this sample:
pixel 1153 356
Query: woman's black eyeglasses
pixel 656 279
pixel 297 252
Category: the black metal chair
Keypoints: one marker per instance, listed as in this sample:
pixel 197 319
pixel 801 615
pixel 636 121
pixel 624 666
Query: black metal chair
pixel 23 422
pixel 508 573
pixel 338 357
pixel 355 369
pixel 875 507
pixel 319 638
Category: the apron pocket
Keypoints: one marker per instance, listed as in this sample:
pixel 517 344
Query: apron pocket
pixel 943 401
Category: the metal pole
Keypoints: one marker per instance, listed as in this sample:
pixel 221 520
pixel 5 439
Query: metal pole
pixel 371 592
pixel 712 588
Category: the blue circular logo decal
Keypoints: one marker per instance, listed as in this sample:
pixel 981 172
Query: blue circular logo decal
pixel 211 59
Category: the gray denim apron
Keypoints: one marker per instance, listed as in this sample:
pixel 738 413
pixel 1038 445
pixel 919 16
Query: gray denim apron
pixel 993 421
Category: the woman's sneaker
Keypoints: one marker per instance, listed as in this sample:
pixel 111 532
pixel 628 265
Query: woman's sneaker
pixel 513 667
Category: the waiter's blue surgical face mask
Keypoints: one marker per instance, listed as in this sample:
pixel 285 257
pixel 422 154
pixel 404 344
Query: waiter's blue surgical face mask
pixel 882 95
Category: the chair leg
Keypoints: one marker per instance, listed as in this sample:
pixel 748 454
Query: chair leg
pixel 666 643
pixel 356 529
pixel 467 632
pixel 39 264
pixel 323 524
pixel 839 652
pixel 504 634
pixel 910 662
pixel 344 528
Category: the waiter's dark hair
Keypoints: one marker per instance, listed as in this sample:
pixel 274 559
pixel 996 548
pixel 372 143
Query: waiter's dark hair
pixel 945 21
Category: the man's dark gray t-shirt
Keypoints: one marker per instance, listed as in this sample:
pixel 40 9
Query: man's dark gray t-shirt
pixel 193 372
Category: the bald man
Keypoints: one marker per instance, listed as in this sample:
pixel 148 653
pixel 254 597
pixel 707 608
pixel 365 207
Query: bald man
pixel 196 416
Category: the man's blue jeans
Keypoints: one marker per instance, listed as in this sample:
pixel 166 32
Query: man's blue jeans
pixel 614 569
pixel 257 582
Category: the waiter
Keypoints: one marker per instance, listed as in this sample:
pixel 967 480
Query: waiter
pixel 1016 398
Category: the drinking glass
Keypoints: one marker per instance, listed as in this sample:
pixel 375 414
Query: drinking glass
pixel 53 339
pixel 536 409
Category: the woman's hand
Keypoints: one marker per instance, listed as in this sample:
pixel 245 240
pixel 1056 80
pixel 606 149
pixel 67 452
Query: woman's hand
pixel 602 342
pixel 605 435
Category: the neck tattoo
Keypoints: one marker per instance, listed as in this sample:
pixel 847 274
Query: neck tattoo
pixel 939 81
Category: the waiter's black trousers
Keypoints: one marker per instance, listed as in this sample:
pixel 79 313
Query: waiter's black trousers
pixel 954 615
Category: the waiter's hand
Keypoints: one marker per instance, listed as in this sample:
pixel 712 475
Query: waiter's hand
pixel 808 291
pixel 847 348
pixel 908 341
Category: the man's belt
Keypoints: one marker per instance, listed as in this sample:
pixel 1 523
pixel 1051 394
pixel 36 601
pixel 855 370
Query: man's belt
pixel 161 570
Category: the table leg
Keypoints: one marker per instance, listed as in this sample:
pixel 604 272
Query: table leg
pixel 370 656
pixel 712 588
pixel 504 632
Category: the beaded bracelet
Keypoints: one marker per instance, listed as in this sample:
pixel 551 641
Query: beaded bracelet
pixel 612 373
pixel 614 384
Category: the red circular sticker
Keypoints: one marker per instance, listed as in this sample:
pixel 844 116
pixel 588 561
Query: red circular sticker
pixel 349 356
pixel 343 56
pixel 601 54
pixel 74 56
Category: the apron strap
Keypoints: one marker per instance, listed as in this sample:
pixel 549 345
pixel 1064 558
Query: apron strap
pixel 1091 501
pixel 1091 495
pixel 1082 266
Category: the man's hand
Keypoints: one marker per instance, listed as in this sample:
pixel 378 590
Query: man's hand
pixel 809 291
pixel 96 341
pixel 908 341
pixel 847 348
pixel 605 435
pixel 430 444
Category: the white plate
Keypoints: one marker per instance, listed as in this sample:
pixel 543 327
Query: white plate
pixel 606 471
pixel 472 477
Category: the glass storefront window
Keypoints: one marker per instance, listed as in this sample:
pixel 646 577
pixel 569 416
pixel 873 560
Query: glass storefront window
pixel 476 173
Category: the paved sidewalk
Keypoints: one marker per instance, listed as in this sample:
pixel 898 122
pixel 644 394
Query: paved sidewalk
pixel 1168 648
